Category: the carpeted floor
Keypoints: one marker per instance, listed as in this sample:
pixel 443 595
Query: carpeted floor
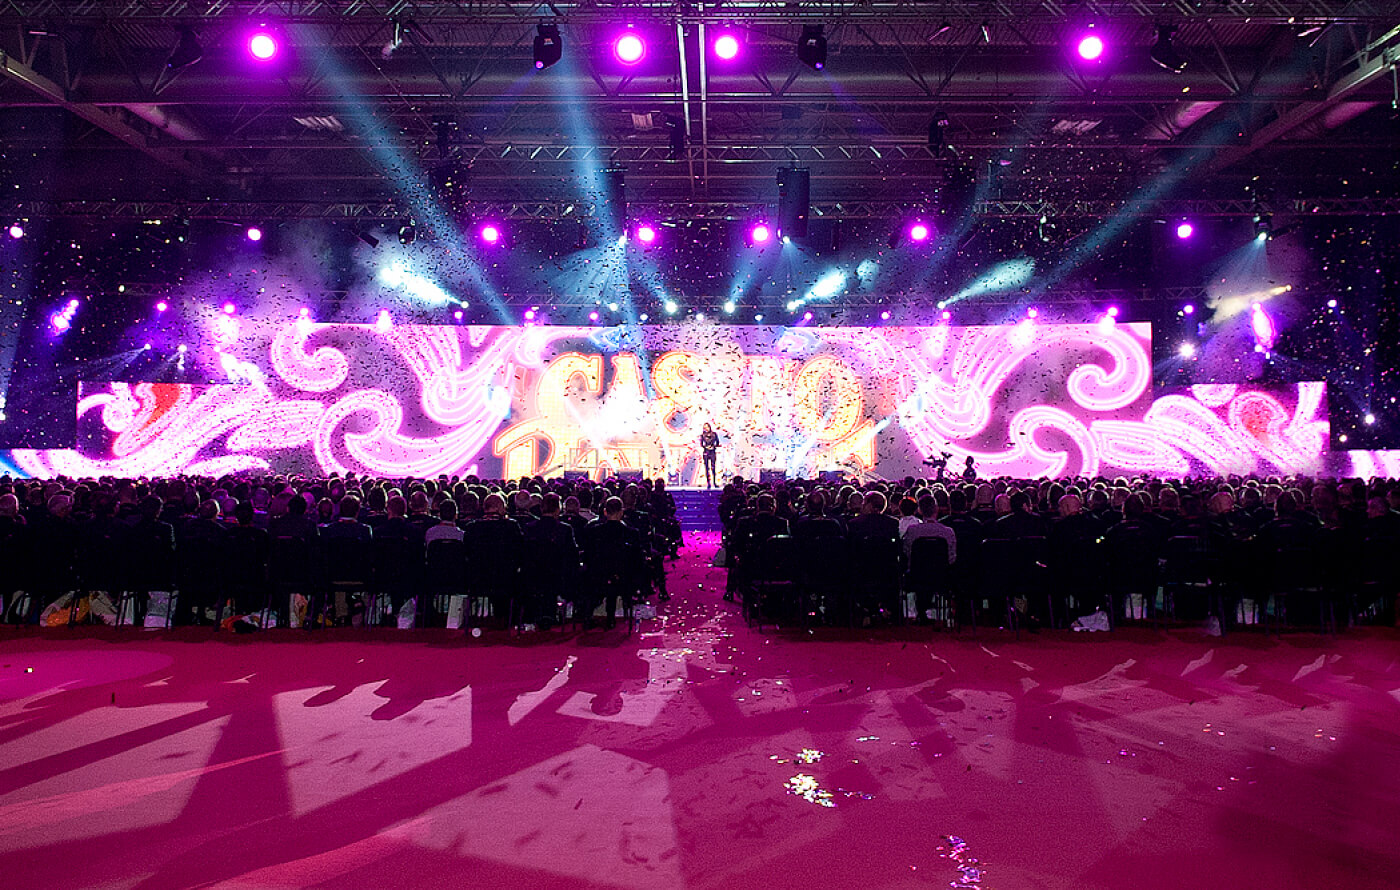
pixel 698 754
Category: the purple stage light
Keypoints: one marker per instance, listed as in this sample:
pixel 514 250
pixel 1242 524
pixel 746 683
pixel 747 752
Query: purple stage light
pixel 1032 312
pixel 60 322
pixel 383 323
pixel 161 306
pixel 147 346
pixel 229 308
pixel 947 316
pixel 727 47
pixel 760 233
pixel 254 233
pixel 1112 311
pixel 491 233
pixel 919 231
pixel 457 315
pixel 807 316
pixel 629 48
pixel 529 315
pixel 1264 330
pixel 304 312
pixel 263 46
pixel 646 233
pixel 1189 309
pixel 1185 230
pixel 592 316
pixel 16 231
pixel 885 316
pixel 1090 47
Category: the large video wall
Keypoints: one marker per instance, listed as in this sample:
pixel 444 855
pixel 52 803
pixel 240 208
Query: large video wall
pixel 417 400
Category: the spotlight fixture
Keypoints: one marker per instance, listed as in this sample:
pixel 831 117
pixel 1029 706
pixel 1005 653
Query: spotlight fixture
pixel 254 234
pixel 16 231
pixel 1090 47
pixel 187 51
pixel 1185 230
pixel 646 233
pixel 811 48
pixel 918 231
pixel 629 48
pixel 263 45
pixel 490 233
pixel 760 233
pixel 986 33
pixel 726 47
pixel 408 233
pixel 548 48
pixel 942 29
pixel 1165 53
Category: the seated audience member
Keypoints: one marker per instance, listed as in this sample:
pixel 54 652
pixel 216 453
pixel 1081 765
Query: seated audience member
pixel 873 521
pixel 446 529
pixel 347 524
pixel 814 523
pixel 612 552
pixel 928 526
pixel 294 523
pixel 552 550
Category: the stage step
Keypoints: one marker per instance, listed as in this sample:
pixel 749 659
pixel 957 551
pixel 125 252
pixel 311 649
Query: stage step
pixel 697 508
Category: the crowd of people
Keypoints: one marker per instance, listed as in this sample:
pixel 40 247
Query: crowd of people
pixel 1037 552
pixel 533 549
pixel 1237 549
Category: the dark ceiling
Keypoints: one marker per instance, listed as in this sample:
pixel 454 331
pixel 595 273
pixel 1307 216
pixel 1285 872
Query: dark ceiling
pixel 1285 104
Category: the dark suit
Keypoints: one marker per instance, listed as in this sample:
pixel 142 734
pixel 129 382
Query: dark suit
pixel 614 556
pixel 551 563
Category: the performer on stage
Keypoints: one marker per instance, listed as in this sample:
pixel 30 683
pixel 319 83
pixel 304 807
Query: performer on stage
pixel 709 451
pixel 969 472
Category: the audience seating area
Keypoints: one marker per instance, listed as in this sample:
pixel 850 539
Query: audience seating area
pixel 1092 553
pixel 244 554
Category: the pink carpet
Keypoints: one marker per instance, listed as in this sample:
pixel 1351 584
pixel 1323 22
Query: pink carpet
pixel 698 754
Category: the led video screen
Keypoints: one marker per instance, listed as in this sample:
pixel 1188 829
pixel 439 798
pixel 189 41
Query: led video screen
pixel 418 400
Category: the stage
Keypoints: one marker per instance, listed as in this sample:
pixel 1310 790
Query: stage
pixel 699 753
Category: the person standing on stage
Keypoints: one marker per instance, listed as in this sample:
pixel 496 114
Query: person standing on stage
pixel 709 452
pixel 969 472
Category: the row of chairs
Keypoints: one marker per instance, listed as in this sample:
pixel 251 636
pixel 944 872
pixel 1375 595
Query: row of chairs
pixel 840 581
pixel 239 572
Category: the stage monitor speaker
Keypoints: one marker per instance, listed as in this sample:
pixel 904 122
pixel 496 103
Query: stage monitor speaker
pixel 833 476
pixel 575 475
pixel 628 475
pixel 772 477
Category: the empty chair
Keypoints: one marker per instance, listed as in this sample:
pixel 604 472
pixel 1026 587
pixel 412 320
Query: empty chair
pixel 444 576
pixel 929 578
pixel 774 580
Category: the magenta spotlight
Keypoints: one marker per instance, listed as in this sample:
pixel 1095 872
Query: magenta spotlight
pixel 457 315
pixel 885 316
pixel 760 233
pixel 947 316
pixel 263 46
pixel 1185 230
pixel 60 322
pixel 1189 309
pixel 592 316
pixel 919 231
pixel 1090 47
pixel 727 47
pixel 161 306
pixel 629 48
pixel 646 233
pixel 16 231
pixel 304 312
pixel 491 233
pixel 1263 326
pixel 229 308
pixel 1112 311
pixel 254 233
pixel 383 323
pixel 529 315
pixel 1032 312
pixel 806 316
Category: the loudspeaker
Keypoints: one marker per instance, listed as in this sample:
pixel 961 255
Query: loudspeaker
pixel 628 475
pixel 772 477
pixel 794 202
pixel 612 199
pixel 575 475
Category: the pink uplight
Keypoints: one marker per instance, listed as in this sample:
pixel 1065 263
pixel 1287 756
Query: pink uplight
pixel 592 316
pixel 646 233
pixel 1185 230
pixel 1090 47
pixel 726 47
pixel 161 306
pixel 1112 311
pixel 491 233
pixel 16 231
pixel 918 232
pixel 529 315
pixel 229 308
pixel 760 233
pixel 254 233
pixel 262 46
pixel 1032 312
pixel 629 48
